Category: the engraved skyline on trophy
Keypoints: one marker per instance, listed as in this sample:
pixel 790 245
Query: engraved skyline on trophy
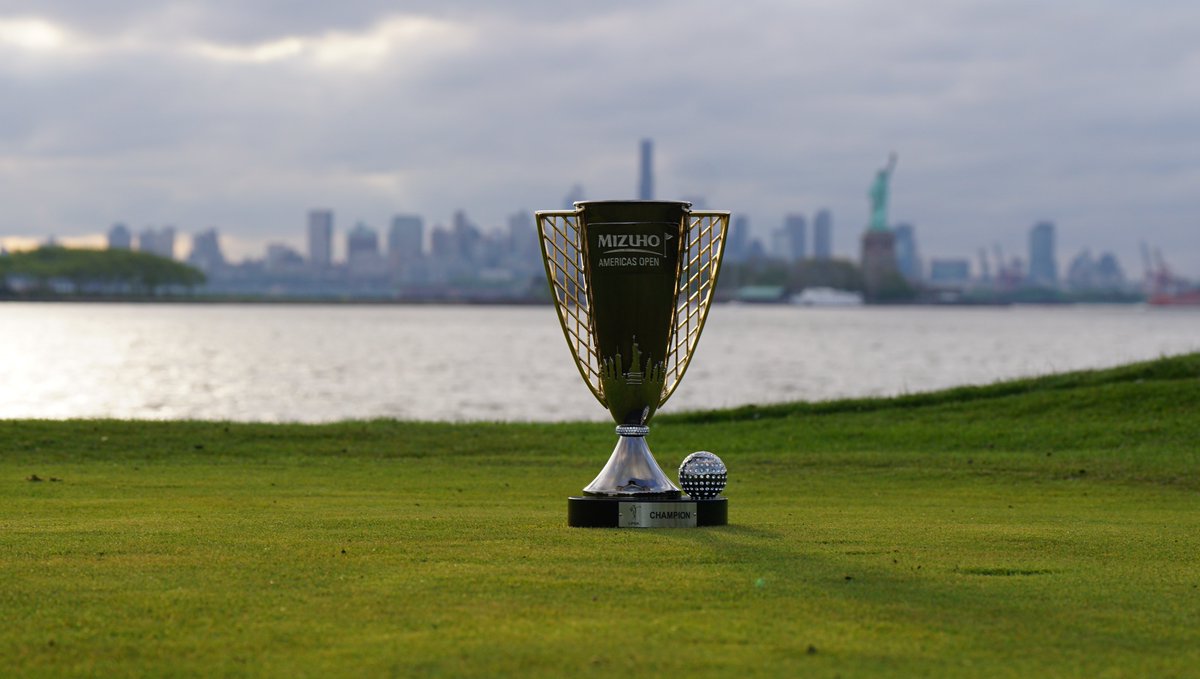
pixel 632 283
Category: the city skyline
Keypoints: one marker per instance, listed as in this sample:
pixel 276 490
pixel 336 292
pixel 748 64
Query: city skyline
pixel 241 117
pixel 774 239
pixel 406 256
pixel 786 239
pixel 787 242
pixel 1038 264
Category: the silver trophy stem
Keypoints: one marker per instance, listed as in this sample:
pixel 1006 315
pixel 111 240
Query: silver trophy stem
pixel 632 470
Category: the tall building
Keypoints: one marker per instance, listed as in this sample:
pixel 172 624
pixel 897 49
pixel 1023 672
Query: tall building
pixel 1043 267
pixel 908 262
pixel 362 242
pixel 755 250
pixel 1088 274
pixel 283 259
pixel 469 240
pixel 781 245
pixel 1081 272
pixel 572 197
pixel 646 176
pixel 363 258
pixel 442 244
pixel 739 240
pixel 795 226
pixel 523 239
pixel 521 228
pixel 119 237
pixel 406 239
pixel 320 238
pixel 159 242
pixel 206 251
pixel 823 235
pixel 985 268
pixel 166 242
pixel 1111 275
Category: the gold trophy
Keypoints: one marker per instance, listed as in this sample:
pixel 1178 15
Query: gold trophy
pixel 632 283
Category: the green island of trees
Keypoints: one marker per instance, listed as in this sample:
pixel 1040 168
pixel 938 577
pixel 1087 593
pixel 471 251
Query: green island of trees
pixel 52 271
pixel 793 277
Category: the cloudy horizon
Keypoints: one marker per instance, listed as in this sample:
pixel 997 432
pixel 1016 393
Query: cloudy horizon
pixel 243 118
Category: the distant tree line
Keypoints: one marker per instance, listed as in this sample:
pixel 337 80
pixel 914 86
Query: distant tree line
pixel 55 270
pixel 792 276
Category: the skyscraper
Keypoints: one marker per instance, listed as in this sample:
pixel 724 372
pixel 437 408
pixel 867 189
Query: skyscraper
pixel 320 238
pixel 523 239
pixel 206 251
pixel 739 239
pixel 795 226
pixel 146 240
pixel 159 242
pixel 442 245
pixel 361 243
pixel 283 259
pixel 363 259
pixel 1088 273
pixel 781 245
pixel 119 237
pixel 823 235
pixel 646 177
pixel 1043 268
pixel 574 195
pixel 468 238
pixel 406 238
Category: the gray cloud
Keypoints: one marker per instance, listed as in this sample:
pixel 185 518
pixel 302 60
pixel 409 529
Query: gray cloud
pixel 243 115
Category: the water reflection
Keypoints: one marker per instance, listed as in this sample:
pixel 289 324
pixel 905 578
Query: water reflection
pixel 322 363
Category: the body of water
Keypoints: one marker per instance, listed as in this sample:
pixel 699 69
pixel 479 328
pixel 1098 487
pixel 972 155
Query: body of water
pixel 322 363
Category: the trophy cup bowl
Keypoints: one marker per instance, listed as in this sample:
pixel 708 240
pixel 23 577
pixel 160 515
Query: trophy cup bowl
pixel 632 283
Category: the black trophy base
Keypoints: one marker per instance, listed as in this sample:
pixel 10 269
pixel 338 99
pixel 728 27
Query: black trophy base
pixel 634 512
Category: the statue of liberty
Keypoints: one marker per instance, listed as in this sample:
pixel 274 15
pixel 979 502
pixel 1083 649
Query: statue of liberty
pixel 879 196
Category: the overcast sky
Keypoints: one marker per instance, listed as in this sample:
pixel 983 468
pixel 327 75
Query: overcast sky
pixel 242 114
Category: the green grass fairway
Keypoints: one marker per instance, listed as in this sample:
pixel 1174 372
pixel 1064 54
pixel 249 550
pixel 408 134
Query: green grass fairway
pixel 1046 527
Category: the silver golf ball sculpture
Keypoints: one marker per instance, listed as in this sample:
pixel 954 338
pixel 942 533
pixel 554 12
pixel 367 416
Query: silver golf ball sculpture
pixel 702 475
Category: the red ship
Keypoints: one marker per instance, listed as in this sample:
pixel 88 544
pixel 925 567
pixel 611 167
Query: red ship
pixel 1184 298
pixel 1164 288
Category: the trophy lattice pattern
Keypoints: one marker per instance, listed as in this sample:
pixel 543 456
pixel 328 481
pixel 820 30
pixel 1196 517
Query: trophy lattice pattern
pixel 563 255
pixel 699 263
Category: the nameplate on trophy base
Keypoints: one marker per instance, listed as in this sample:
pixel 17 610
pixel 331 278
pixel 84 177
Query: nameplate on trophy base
pixel 614 512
